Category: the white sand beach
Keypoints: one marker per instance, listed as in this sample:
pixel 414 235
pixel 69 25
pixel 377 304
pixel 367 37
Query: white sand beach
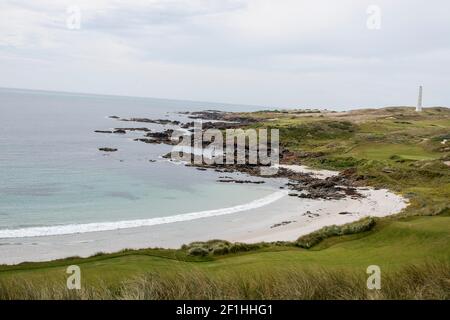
pixel 248 224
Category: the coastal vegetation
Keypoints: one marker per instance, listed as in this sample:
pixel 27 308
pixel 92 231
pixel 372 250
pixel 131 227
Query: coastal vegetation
pixel 412 253
pixel 395 148
pixel 314 238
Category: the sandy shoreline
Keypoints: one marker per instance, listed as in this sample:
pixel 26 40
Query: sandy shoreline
pixel 252 225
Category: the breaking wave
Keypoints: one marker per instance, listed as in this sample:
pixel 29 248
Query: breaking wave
pixel 108 226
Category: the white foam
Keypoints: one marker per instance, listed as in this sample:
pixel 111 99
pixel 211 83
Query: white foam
pixel 108 226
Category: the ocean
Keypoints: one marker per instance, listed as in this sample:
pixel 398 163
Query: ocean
pixel 54 180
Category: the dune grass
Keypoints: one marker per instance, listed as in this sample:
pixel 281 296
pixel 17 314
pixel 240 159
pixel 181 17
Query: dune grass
pixel 412 282
pixel 314 238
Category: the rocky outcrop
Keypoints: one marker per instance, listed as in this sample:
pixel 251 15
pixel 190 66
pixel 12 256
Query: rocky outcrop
pixel 222 120
pixel 122 130
pixel 206 115
pixel 240 181
pixel 146 140
pixel 134 129
pixel 158 137
pixel 302 185
pixel 219 115
pixel 157 121
pixel 313 188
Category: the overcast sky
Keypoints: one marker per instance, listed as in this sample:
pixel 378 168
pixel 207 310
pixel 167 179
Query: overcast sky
pixel 280 53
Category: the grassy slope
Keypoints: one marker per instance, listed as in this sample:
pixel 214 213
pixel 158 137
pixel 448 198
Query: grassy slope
pixel 398 139
pixel 391 245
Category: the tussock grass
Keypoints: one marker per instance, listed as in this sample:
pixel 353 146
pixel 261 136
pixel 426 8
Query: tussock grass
pixel 316 237
pixel 221 247
pixel 427 281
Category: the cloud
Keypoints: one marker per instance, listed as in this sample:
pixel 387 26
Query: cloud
pixel 227 50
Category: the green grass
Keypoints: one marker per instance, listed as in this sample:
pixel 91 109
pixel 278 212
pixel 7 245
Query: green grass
pixel 385 151
pixel 393 148
pixel 413 282
pixel 313 239
pixel 393 245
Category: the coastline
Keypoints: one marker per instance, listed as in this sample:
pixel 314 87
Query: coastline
pixel 283 218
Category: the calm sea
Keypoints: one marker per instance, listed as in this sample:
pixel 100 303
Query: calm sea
pixel 52 173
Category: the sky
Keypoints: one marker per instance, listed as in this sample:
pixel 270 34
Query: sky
pixel 276 53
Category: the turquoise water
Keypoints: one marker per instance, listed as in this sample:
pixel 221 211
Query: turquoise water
pixel 52 173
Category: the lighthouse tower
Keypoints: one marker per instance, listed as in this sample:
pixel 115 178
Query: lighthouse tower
pixel 419 101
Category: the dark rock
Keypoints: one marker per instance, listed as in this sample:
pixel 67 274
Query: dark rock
pixel 238 120
pixel 106 149
pixel 146 140
pixel 207 115
pixel 240 181
pixel 310 214
pixel 281 224
pixel 103 131
pixel 160 137
pixel 157 121
pixel 122 130
pixel 134 129
pixel 187 125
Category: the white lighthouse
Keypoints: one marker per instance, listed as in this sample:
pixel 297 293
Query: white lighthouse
pixel 419 101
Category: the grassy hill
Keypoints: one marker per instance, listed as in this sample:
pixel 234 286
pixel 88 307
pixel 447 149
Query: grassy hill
pixel 394 148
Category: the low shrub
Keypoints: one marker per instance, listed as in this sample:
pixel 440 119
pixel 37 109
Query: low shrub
pixel 220 250
pixel 198 251
pixel 220 247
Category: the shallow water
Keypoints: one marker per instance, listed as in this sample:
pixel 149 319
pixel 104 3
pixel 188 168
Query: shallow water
pixel 52 173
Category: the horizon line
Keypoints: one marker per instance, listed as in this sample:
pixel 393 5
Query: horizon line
pixel 126 96
pixel 208 102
